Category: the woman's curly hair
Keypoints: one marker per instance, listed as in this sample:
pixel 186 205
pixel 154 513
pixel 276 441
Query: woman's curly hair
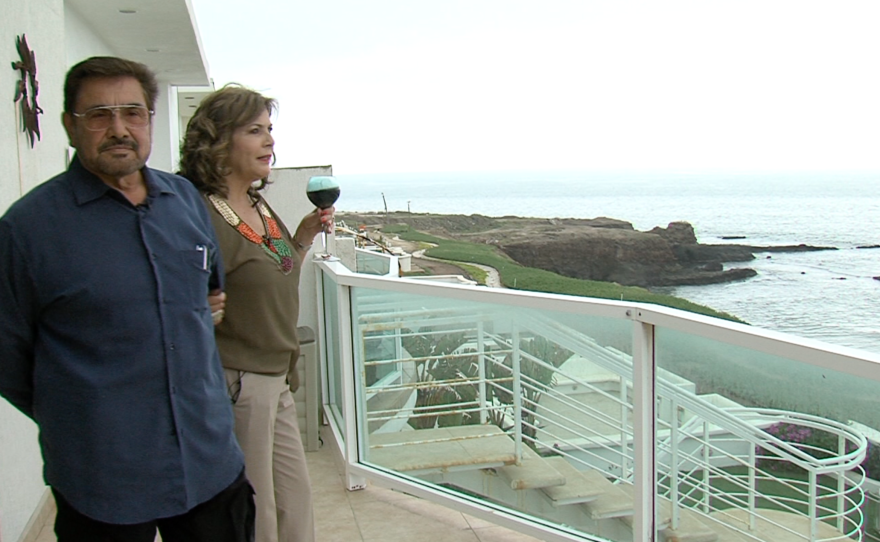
pixel 206 145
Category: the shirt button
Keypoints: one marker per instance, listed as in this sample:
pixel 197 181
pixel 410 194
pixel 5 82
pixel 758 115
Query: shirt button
pixel 154 256
pixel 171 346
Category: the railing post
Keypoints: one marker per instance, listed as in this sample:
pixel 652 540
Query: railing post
pixel 753 487
pixel 517 395
pixel 841 484
pixel 481 362
pixel 353 437
pixel 644 434
pixel 674 466
pixel 398 339
pixel 624 447
pixel 814 527
pixel 707 487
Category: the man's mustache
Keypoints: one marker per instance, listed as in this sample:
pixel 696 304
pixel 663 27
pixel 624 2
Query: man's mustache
pixel 116 142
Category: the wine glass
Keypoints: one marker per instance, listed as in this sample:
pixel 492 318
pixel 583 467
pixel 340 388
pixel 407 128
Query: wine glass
pixel 323 191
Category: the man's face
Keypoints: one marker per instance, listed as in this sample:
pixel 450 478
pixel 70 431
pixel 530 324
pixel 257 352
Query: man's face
pixel 119 150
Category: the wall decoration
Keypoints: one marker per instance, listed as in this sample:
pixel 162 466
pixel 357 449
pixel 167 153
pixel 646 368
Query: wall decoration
pixel 27 89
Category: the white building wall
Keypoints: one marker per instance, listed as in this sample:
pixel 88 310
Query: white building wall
pixel 175 130
pixel 22 168
pixel 80 41
pixel 164 154
pixel 43 24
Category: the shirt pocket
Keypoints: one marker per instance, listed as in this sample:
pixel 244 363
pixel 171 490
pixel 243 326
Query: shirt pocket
pixel 195 272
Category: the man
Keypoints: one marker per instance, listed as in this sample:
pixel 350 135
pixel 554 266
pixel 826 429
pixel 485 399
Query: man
pixel 106 333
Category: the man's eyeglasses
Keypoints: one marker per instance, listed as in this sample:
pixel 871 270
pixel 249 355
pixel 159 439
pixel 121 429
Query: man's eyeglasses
pixel 101 117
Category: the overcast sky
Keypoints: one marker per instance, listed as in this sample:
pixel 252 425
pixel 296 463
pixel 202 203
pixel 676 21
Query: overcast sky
pixel 385 86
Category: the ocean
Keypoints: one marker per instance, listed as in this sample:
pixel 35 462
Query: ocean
pixel 829 295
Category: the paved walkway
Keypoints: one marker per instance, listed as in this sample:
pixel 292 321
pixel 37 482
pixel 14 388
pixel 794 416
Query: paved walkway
pixel 376 514
pixel 493 279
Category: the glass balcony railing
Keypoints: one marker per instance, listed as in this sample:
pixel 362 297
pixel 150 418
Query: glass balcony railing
pixel 583 419
pixel 376 263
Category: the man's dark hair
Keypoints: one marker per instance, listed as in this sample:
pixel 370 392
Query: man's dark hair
pixel 109 66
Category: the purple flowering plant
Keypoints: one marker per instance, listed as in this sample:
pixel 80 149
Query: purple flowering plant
pixel 815 442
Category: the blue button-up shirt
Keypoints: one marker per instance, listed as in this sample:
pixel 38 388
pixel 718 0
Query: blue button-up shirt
pixel 107 343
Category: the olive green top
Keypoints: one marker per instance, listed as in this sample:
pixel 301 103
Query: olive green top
pixel 258 331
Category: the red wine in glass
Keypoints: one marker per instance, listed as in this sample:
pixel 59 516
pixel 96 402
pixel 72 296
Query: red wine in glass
pixel 323 191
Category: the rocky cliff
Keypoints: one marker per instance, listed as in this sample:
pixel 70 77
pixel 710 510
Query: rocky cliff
pixel 603 249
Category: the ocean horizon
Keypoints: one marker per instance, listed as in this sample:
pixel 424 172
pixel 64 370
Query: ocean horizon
pixel 830 296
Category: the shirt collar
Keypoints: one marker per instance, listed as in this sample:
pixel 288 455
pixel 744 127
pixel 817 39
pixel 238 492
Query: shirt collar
pixel 88 187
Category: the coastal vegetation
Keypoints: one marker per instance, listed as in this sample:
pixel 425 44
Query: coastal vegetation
pixel 598 249
pixel 516 276
pixel 476 273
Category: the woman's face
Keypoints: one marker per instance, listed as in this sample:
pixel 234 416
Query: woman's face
pixel 250 152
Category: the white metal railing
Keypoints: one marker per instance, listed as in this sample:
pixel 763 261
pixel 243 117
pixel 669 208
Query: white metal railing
pixel 711 460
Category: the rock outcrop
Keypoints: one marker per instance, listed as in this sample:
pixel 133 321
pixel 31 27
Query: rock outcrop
pixel 603 249
pixel 661 257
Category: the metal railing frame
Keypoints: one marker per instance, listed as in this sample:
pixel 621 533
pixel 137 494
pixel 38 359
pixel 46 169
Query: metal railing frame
pixel 645 386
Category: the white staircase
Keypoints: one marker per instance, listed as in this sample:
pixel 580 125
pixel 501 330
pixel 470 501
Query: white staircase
pixel 566 452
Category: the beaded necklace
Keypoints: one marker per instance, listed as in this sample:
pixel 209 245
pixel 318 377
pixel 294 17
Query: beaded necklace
pixel 272 243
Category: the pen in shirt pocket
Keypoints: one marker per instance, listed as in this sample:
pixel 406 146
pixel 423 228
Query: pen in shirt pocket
pixel 204 250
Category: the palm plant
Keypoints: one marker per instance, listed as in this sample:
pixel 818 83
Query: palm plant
pixel 443 376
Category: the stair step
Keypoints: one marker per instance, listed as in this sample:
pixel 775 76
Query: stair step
pixel 726 534
pixel 534 472
pixel 774 525
pixel 614 502
pixel 580 485
pixel 664 510
pixel 690 529
pixel 437 450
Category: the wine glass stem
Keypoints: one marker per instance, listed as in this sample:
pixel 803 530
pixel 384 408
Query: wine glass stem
pixel 324 239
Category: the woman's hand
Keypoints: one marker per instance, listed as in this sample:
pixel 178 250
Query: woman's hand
pixel 312 224
pixel 217 302
pixel 328 221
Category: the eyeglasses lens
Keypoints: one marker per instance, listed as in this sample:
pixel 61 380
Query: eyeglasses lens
pixel 100 118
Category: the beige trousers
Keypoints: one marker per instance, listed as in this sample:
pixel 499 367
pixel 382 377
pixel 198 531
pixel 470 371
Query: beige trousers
pixel 275 463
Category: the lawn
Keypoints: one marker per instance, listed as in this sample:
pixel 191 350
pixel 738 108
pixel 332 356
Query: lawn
pixel 516 276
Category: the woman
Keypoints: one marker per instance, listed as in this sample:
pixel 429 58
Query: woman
pixel 227 153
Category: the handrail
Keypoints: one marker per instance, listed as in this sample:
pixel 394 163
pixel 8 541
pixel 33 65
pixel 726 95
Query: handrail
pixel 697 405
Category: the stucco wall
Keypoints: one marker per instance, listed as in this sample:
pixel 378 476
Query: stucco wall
pixel 163 154
pixel 80 41
pixel 42 22
pixel 22 168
